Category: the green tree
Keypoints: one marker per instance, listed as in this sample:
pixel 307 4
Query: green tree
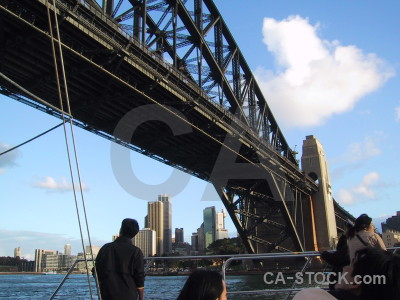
pixel 227 246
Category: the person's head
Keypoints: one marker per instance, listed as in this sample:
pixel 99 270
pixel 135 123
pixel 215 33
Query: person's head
pixel 203 285
pixel 379 272
pixel 363 222
pixel 129 228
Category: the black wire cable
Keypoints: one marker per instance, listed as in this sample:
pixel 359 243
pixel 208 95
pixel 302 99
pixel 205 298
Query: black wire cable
pixel 30 140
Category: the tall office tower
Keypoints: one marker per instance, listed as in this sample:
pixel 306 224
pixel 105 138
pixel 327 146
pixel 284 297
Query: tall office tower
pixel 155 213
pixel 201 239
pixel 67 249
pixel 209 218
pixel 18 252
pixel 221 219
pixel 179 235
pixel 221 232
pixel 114 237
pixel 166 199
pixel 195 242
pixel 146 241
pixel 146 222
pixel 392 223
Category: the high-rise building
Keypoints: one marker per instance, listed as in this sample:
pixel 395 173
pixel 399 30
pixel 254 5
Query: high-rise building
pixel 159 218
pixel 18 252
pixel 195 242
pixel 179 235
pixel 392 223
pixel 209 218
pixel 166 199
pixel 220 219
pixel 156 223
pixel 145 240
pixel 201 239
pixel 67 249
pixel 114 237
pixel 212 229
pixel 221 232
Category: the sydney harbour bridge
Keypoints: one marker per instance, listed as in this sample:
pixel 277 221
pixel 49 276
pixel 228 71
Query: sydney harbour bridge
pixel 166 78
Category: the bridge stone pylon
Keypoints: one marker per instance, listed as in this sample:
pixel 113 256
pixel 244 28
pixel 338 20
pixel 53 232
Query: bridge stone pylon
pixel 314 164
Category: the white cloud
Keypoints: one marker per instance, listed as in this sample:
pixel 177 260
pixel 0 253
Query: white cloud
pixel 51 185
pixel 9 159
pixel 397 113
pixel 359 151
pixel 31 240
pixel 356 154
pixel 316 78
pixel 360 193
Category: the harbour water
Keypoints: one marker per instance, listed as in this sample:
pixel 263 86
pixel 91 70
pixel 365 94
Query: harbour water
pixel 76 287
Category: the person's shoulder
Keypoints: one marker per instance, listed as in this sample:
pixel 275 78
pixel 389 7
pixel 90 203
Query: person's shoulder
pixel 105 246
pixel 137 250
pixel 313 294
pixel 371 235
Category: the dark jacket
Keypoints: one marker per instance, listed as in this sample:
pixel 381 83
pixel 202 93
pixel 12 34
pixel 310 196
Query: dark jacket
pixel 337 259
pixel 120 270
pixel 340 257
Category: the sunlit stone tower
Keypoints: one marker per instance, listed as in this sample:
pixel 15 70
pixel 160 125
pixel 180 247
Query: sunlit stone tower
pixel 314 164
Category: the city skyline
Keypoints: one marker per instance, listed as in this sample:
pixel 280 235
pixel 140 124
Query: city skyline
pixel 392 220
pixel 150 242
pixel 329 69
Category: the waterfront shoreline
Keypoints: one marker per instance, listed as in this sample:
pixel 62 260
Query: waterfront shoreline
pixel 22 273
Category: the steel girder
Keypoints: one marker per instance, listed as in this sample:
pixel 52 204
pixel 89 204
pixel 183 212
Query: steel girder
pixel 261 144
pixel 182 32
pixel 264 222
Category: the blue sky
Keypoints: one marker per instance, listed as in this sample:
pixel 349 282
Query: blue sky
pixel 327 68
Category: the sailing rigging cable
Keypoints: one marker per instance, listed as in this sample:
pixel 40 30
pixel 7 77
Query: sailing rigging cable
pixel 57 40
pixel 30 140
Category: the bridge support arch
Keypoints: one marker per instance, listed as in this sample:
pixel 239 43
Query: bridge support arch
pixel 314 164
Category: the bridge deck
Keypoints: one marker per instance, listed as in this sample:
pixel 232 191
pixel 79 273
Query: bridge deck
pixel 122 90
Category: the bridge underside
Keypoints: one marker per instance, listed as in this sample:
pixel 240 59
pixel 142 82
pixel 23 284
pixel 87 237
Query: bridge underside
pixel 110 78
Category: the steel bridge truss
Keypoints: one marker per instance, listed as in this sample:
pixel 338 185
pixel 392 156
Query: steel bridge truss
pixel 194 38
pixel 180 55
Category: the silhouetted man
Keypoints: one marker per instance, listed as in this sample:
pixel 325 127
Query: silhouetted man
pixel 120 266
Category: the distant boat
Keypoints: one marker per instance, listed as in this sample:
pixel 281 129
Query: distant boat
pixel 50 273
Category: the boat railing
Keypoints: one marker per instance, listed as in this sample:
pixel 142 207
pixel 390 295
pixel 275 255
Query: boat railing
pixel 308 256
pixel 268 256
pixel 70 270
